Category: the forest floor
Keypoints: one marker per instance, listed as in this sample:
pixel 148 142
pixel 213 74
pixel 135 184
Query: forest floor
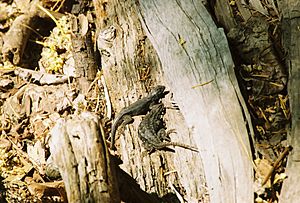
pixel 28 112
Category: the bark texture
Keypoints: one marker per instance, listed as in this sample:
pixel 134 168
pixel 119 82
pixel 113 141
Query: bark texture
pixel 185 50
pixel 83 160
pixel 291 38
pixel 193 51
pixel 132 68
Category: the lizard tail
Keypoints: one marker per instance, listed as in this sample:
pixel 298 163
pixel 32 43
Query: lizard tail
pixel 113 132
pixel 177 144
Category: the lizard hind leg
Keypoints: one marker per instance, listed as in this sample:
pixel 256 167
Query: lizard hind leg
pixel 163 135
pixel 166 134
pixel 171 131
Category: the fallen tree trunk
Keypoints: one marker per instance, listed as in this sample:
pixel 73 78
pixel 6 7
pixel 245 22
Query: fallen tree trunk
pixel 189 51
pixel 193 51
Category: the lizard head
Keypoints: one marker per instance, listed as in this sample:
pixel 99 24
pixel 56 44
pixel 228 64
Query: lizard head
pixel 158 92
pixel 159 106
pixel 158 109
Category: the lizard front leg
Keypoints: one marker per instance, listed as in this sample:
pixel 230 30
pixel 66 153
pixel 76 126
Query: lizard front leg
pixel 127 119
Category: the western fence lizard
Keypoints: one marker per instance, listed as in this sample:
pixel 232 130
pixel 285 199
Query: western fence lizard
pixel 152 132
pixel 140 107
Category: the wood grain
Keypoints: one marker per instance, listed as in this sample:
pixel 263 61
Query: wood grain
pixel 291 38
pixel 212 111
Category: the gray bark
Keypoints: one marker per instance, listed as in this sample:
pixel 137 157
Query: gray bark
pixel 132 68
pixel 291 21
pixel 185 50
pixel 83 160
pixel 213 111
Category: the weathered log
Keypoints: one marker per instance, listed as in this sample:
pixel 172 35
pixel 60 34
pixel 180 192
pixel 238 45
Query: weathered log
pixel 192 51
pixel 290 22
pixel 89 172
pixel 83 52
pixel 131 68
pixel 15 39
pixel 83 160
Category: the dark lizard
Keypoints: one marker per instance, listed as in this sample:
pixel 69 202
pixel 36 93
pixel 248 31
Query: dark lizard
pixel 152 132
pixel 140 107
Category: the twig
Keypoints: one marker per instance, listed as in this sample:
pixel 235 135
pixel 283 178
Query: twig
pixel 107 99
pixel 276 163
pixel 200 85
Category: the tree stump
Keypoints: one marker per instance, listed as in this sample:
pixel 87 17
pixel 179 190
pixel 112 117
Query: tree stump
pixel 83 160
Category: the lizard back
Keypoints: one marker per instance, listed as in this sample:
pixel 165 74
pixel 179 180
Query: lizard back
pixel 140 107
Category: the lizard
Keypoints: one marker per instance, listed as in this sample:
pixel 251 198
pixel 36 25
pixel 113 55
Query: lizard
pixel 140 107
pixel 152 132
